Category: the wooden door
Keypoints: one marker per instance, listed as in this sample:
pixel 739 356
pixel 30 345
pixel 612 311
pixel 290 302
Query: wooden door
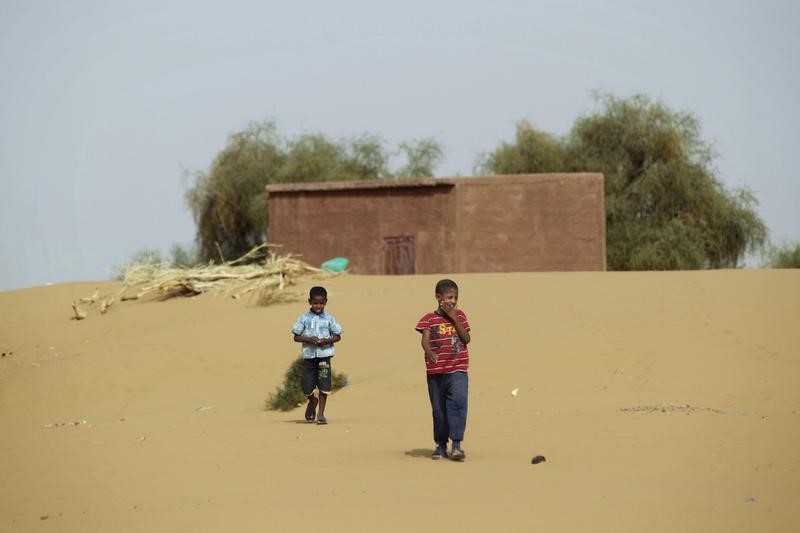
pixel 398 253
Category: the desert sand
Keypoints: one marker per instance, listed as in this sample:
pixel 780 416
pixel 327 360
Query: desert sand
pixel 661 401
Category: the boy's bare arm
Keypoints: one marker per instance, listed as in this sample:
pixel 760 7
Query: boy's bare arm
pixel 308 340
pixel 430 357
pixel 450 311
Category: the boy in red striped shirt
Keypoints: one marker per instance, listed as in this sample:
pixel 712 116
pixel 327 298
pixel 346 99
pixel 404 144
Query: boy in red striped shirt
pixel 445 335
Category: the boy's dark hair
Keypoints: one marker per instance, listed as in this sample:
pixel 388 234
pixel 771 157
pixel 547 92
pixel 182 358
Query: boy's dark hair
pixel 317 291
pixel 445 285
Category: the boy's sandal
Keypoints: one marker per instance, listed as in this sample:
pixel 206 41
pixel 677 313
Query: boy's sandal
pixel 311 410
pixel 322 420
pixel 457 455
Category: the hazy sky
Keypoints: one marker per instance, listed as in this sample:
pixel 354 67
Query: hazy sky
pixel 103 104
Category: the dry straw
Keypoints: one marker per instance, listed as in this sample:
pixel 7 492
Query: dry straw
pixel 259 272
pixel 238 277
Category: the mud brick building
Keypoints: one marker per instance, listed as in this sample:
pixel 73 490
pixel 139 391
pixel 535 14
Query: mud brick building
pixel 512 223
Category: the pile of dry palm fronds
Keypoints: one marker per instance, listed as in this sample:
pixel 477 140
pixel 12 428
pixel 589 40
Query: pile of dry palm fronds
pixel 257 272
pixel 237 278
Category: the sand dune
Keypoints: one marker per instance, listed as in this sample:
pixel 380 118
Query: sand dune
pixel 662 402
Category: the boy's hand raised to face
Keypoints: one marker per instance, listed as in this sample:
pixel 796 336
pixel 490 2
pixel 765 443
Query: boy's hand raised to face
pixel 448 309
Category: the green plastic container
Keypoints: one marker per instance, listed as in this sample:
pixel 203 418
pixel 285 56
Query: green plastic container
pixel 337 264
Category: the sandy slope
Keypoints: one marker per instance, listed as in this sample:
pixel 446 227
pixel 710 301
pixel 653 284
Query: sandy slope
pixel 176 438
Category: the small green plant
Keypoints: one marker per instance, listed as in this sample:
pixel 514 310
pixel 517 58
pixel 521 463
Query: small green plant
pixel 289 395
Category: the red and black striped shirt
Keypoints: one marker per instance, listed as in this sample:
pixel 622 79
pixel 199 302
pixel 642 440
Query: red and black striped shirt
pixel 450 350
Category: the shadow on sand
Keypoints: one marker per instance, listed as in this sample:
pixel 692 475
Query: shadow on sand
pixel 425 453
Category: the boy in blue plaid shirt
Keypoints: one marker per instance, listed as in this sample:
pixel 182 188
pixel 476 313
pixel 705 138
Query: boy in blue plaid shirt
pixel 318 331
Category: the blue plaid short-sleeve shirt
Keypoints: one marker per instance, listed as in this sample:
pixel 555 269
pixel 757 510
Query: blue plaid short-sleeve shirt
pixel 321 326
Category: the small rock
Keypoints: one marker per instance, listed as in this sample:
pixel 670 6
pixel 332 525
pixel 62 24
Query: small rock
pixel 538 459
pixel 514 392
pixel 750 499
pixel 44 517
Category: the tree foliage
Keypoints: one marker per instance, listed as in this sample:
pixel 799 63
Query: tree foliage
pixel 142 256
pixel 665 207
pixel 229 201
pixel 183 256
pixel 785 256
pixel 422 156
pixel 532 149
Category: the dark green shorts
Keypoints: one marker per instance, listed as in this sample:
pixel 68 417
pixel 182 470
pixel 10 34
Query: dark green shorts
pixel 317 374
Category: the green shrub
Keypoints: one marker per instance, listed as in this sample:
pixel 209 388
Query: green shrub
pixel 151 258
pixel 289 395
pixel 785 256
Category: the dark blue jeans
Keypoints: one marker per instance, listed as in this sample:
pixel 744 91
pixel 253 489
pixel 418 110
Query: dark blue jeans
pixel 448 393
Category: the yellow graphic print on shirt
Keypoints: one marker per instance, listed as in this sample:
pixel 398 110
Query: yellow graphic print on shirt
pixel 449 330
pixel 446 329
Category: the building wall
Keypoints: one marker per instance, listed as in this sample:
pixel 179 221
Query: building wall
pixel 353 223
pixel 538 222
pixel 549 222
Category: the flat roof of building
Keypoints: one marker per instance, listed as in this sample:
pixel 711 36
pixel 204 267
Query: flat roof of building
pixel 390 183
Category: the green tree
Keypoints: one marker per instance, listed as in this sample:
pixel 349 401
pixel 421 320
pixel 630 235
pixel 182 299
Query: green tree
pixel 422 157
pixel 531 148
pixel 183 257
pixel 785 256
pixel 229 201
pixel 314 157
pixel 665 207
